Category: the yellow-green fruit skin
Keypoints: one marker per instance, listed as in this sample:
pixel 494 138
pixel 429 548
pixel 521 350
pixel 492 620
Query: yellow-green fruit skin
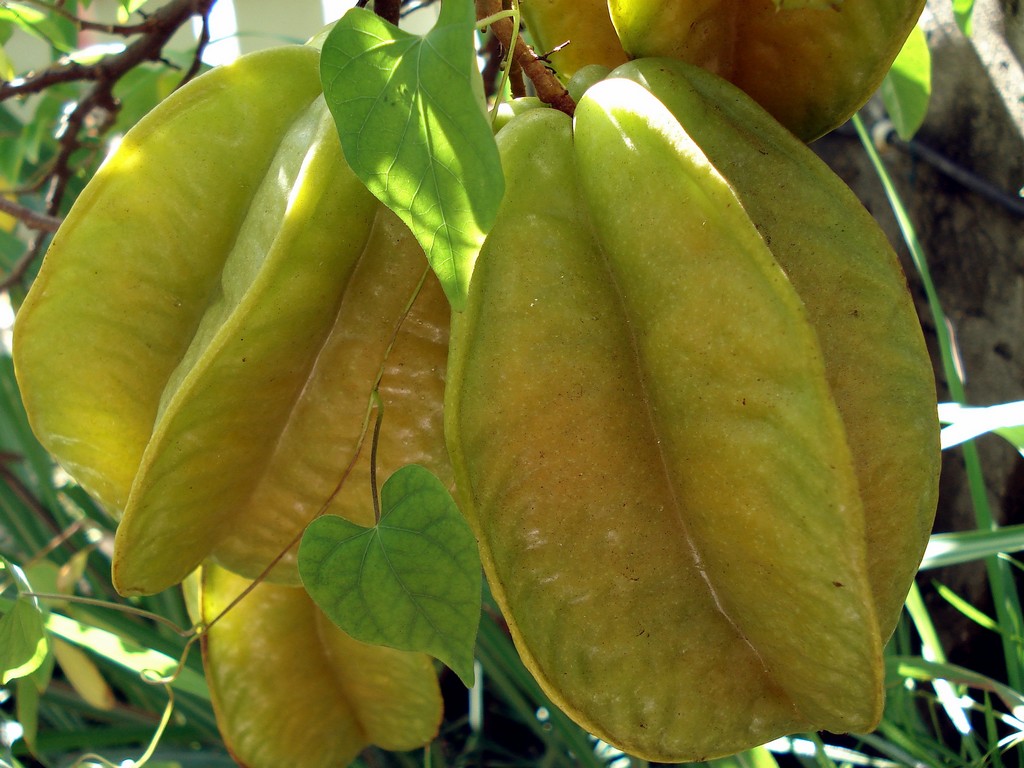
pixel 318 446
pixel 290 688
pixel 584 24
pixel 93 404
pixel 646 444
pixel 200 347
pixel 811 67
pixel 855 294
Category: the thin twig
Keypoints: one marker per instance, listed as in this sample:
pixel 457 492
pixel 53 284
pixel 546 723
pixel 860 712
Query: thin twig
pixel 121 607
pixel 153 34
pixel 197 59
pixel 389 10
pixel 28 217
pixel 21 266
pixel 549 88
pixel 100 96
pixel 373 455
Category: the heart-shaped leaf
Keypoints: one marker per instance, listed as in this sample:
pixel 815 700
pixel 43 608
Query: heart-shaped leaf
pixel 23 645
pixel 411 582
pixel 410 117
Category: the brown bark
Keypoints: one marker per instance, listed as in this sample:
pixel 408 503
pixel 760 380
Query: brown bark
pixel 549 88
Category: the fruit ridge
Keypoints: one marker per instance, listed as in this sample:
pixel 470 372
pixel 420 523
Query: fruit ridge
pixel 629 481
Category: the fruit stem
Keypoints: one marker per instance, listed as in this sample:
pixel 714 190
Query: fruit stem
pixel 549 88
pixel 389 10
pixel 373 455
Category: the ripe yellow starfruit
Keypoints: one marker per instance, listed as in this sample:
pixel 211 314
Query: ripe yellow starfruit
pixel 854 291
pixel 811 66
pixel 573 35
pixel 201 344
pixel 655 404
pixel 290 688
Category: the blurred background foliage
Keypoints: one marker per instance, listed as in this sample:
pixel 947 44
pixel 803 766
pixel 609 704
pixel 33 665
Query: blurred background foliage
pixel 75 689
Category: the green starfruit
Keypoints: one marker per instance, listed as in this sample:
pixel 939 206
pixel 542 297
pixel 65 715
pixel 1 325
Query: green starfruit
pixel 200 347
pixel 654 408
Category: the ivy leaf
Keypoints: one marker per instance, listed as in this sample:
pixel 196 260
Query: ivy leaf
pixel 22 641
pixel 908 86
pixel 411 582
pixel 410 115
pixel 23 646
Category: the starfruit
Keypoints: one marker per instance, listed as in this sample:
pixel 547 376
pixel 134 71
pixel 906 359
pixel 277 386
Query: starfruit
pixel 290 688
pixel 854 291
pixel 573 34
pixel 811 65
pixel 200 347
pixel 661 413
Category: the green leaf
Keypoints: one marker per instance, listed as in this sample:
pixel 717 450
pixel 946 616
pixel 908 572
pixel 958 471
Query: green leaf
pixel 967 422
pixel 94 54
pixel 754 758
pixel 971 612
pixel 908 86
pixel 127 653
pixel 410 115
pixel 59 32
pixel 15 574
pixel 945 549
pixel 16 436
pixel 6 65
pixel 127 8
pixel 23 645
pixel 27 692
pixel 119 649
pixel 899 668
pixel 963 11
pixel 411 582
pixel 84 675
